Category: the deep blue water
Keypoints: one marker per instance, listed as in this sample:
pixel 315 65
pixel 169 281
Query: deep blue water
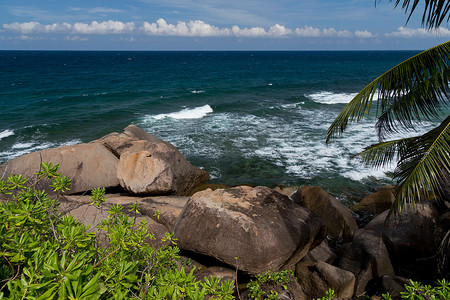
pixel 245 117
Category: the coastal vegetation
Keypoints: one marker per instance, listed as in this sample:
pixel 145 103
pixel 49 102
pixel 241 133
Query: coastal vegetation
pixel 47 255
pixel 406 95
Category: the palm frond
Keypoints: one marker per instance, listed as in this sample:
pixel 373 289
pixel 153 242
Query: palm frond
pixel 413 90
pixel 435 11
pixel 422 102
pixel 382 154
pixel 423 161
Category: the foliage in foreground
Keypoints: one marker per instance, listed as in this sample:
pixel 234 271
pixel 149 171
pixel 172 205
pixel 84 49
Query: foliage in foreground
pixel 414 291
pixel 45 255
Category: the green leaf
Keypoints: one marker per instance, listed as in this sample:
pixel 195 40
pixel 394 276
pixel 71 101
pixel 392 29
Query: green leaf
pixel 92 286
pixel 49 294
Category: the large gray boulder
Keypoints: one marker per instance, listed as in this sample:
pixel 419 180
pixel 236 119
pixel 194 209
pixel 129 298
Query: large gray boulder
pixel 252 229
pixel 151 166
pixel 338 218
pixel 88 165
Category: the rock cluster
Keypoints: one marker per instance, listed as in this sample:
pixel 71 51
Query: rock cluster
pixel 134 160
pixel 252 229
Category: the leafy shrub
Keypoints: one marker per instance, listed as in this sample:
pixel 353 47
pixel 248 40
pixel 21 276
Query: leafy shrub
pixel 261 287
pixel 414 291
pixel 45 255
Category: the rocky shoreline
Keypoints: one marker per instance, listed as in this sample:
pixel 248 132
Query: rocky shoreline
pixel 253 229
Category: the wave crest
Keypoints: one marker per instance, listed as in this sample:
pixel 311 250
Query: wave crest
pixel 6 133
pixel 193 113
pixel 331 98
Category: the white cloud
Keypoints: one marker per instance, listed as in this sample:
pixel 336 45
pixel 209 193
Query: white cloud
pixel 108 27
pixel 279 31
pixel 403 32
pixel 192 28
pixel 248 32
pixel 35 27
pixel 308 31
pixel 198 28
pixel 363 34
pixel 331 32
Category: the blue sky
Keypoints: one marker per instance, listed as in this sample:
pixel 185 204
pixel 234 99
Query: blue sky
pixel 211 25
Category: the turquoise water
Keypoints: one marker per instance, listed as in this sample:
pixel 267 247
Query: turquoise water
pixel 246 117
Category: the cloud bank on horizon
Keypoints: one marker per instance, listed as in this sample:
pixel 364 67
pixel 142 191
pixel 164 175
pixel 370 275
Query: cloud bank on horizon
pixel 199 28
pixel 287 24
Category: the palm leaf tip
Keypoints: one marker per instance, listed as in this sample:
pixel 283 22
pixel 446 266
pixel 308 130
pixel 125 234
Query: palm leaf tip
pixel 434 14
pixel 423 164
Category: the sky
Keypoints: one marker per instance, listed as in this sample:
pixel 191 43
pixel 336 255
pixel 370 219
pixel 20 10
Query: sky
pixel 212 25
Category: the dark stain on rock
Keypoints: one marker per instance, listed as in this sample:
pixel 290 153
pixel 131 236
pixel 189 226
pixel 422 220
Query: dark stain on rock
pixel 237 193
pixel 125 146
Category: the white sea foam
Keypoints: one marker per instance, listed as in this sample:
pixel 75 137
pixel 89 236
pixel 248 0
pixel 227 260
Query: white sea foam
pixel 296 144
pixel 331 98
pixel 197 92
pixel 22 145
pixel 6 133
pixel 193 113
pixel 21 148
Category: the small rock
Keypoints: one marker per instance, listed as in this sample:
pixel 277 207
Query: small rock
pixel 377 202
pixel 316 278
pixel 321 253
pixel 224 274
pixel 367 258
pixel 338 218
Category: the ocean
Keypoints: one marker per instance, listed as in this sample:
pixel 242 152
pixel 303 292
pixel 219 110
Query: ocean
pixel 257 118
